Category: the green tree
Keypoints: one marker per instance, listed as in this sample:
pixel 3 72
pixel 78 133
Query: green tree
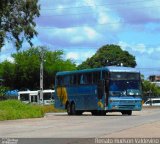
pixel 17 21
pixel 109 55
pixel 150 88
pixel 53 63
pixel 24 72
pixel 3 91
pixel 7 70
pixel 27 68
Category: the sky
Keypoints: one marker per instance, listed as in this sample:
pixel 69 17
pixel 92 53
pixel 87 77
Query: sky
pixel 81 27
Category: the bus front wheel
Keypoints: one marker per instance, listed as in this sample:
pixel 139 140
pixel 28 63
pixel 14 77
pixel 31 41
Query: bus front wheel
pixel 98 113
pixel 129 112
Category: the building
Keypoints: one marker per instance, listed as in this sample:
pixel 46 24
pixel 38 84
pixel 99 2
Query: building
pixel 155 79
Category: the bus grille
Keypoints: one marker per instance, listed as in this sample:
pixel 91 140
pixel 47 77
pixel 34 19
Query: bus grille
pixel 126 102
pixel 127 106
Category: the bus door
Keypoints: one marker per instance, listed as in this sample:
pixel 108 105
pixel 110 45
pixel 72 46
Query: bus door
pixel 105 77
pixel 100 89
pixel 33 98
pixel 106 91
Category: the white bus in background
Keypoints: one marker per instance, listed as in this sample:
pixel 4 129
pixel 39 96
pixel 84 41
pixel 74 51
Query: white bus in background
pixel 152 102
pixel 34 97
pixel 28 96
pixel 48 97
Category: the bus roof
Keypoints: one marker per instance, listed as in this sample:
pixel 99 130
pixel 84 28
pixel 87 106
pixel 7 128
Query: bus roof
pixel 122 69
pixel 107 68
pixel 48 91
pixel 28 92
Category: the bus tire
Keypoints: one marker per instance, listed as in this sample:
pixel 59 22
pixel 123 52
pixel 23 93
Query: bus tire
pixel 124 112
pixel 73 109
pixel 99 113
pixel 129 112
pixel 103 113
pixel 68 107
pixel 78 112
pixel 94 113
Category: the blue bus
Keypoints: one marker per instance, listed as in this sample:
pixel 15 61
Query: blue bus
pixel 99 90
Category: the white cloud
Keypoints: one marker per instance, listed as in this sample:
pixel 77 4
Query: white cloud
pixel 146 56
pixel 141 48
pixel 90 32
pixel 90 3
pixel 103 18
pixel 79 55
pixel 72 55
pixel 135 13
pixel 77 39
pixel 71 36
pixel 7 57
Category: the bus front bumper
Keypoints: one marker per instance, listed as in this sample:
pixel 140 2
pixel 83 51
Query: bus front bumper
pixel 124 107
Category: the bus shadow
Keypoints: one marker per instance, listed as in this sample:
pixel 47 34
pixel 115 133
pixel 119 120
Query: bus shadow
pixel 88 114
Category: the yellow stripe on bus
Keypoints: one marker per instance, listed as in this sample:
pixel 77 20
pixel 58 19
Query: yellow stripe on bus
pixel 62 94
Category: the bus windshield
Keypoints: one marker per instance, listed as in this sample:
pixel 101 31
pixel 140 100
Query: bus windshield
pixel 24 97
pixel 125 84
pixel 124 88
pixel 124 76
pixel 47 96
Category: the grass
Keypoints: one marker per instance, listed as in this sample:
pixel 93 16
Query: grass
pixel 50 108
pixel 14 109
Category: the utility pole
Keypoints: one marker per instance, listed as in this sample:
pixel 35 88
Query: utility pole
pixel 41 74
pixel 150 92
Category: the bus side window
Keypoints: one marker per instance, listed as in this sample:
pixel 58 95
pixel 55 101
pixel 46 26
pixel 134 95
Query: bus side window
pixel 73 79
pixel 59 80
pixel 103 74
pixel 88 78
pixel 66 80
pixel 85 78
pixel 96 77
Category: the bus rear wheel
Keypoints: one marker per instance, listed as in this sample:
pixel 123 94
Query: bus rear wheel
pixel 68 109
pixel 78 112
pixel 73 109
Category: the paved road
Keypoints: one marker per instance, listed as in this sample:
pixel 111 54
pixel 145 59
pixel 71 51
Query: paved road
pixel 141 124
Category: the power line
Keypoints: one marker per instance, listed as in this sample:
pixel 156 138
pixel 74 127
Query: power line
pixel 91 12
pixel 150 69
pixel 112 23
pixel 110 4
pixel 75 26
pixel 85 25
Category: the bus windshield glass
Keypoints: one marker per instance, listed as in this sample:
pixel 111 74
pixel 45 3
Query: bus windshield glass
pixel 47 96
pixel 125 84
pixel 124 76
pixel 24 97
